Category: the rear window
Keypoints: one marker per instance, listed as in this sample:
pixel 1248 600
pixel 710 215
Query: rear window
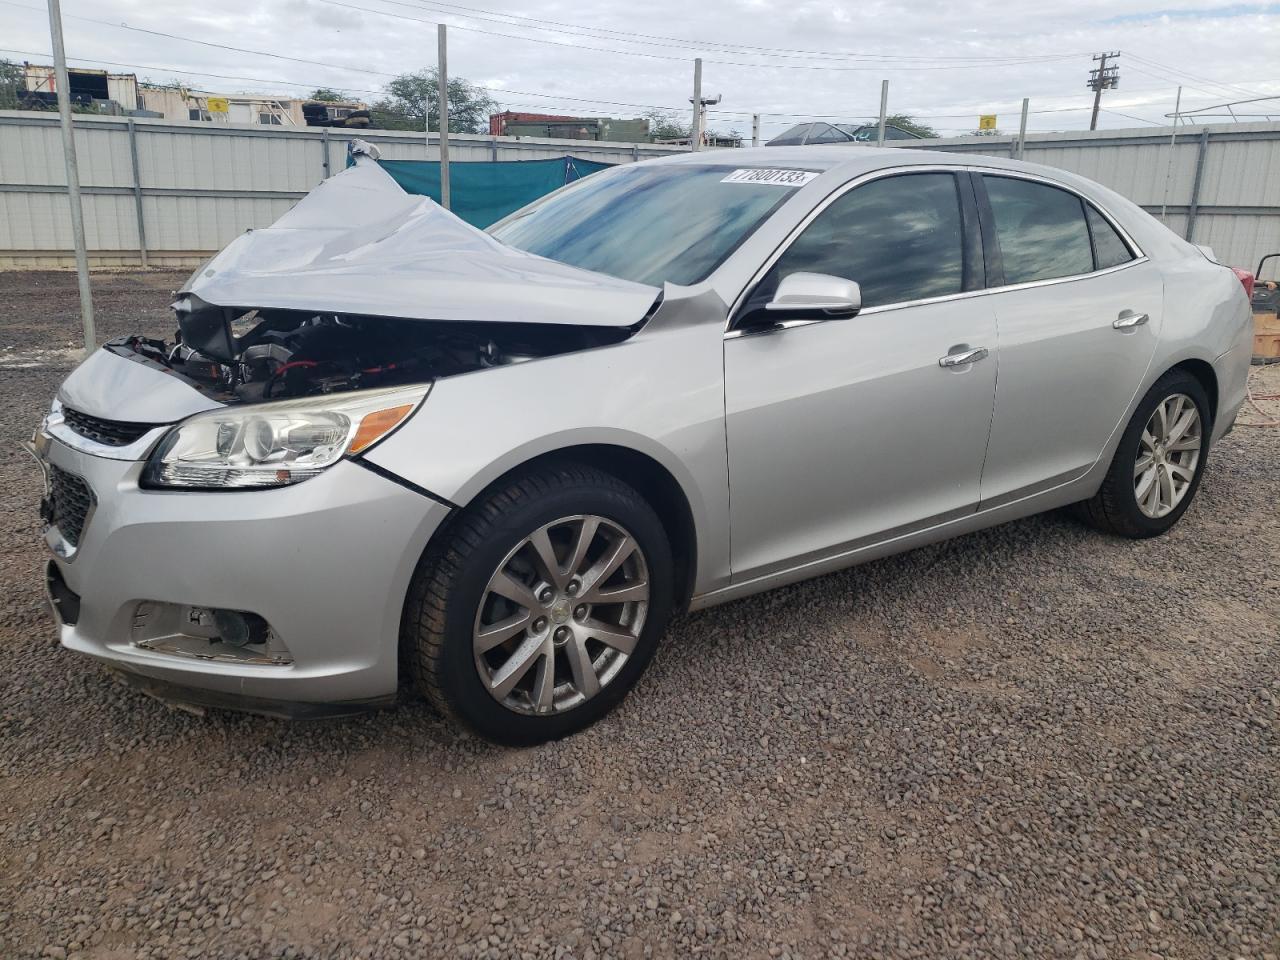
pixel 1109 250
pixel 1041 229
pixel 650 224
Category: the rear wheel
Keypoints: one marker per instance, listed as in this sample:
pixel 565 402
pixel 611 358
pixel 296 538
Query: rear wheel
pixel 542 607
pixel 1158 465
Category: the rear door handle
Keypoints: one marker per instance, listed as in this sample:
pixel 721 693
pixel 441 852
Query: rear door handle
pixel 960 359
pixel 1128 319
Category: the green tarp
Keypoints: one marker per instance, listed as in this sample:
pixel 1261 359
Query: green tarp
pixel 484 193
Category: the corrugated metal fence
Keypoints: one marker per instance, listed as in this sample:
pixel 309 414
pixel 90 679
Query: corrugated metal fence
pixel 182 190
pixel 174 192
pixel 1218 185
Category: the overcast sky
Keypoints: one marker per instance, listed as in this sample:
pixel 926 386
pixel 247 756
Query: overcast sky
pixel 946 63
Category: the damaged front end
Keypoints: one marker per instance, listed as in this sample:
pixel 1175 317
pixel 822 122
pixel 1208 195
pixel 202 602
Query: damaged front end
pixel 313 338
pixel 258 355
pixel 362 285
pixel 292 392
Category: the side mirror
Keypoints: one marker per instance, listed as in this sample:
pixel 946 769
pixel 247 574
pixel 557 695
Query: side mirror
pixel 814 295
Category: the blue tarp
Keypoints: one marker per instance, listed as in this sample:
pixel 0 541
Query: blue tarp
pixel 483 193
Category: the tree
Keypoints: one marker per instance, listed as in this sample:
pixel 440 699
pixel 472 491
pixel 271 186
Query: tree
pixel 328 95
pixel 12 80
pixel 402 107
pixel 904 121
pixel 664 125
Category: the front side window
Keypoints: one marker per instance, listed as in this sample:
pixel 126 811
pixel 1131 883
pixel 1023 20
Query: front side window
pixel 899 238
pixel 1041 230
pixel 651 224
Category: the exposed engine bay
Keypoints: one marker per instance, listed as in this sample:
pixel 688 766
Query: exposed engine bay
pixel 261 355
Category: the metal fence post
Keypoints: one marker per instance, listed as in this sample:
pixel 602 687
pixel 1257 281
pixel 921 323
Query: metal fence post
pixel 493 149
pixel 635 152
pixel 755 129
pixel 73 173
pixel 884 106
pixel 443 76
pixel 1022 129
pixel 1194 205
pixel 137 194
pixel 1173 144
pixel 324 138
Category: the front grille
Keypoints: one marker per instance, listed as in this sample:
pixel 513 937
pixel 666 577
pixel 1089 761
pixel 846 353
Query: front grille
pixel 112 433
pixel 70 499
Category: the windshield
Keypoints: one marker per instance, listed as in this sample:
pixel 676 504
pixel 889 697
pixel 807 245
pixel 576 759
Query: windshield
pixel 651 224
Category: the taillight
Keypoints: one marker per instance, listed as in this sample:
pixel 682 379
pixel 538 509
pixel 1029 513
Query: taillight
pixel 1246 280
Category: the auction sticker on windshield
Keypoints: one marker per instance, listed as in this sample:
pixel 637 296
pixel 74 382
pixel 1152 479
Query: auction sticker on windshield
pixel 778 178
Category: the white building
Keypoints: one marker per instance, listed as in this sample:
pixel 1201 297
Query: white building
pixel 183 103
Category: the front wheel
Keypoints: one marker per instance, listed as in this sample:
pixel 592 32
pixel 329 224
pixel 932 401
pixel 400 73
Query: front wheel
pixel 542 606
pixel 1158 465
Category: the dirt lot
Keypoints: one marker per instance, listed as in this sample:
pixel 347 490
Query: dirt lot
pixel 1035 742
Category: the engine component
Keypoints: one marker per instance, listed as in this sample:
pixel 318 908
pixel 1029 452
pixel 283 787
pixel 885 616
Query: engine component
pixel 252 356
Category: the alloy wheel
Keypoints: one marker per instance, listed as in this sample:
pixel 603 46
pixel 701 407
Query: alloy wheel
pixel 1168 454
pixel 561 615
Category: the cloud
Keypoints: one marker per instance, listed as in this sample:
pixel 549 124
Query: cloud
pixel 1204 13
pixel 1038 51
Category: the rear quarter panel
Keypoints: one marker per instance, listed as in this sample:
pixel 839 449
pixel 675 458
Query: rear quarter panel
pixel 1207 318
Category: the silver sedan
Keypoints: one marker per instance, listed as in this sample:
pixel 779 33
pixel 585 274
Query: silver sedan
pixel 386 442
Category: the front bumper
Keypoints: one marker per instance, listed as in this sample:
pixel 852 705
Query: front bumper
pixel 325 563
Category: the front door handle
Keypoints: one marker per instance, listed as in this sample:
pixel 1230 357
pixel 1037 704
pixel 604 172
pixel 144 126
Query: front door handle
pixel 1128 320
pixel 960 359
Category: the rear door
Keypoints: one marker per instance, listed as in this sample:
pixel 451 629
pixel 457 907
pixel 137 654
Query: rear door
pixel 1078 309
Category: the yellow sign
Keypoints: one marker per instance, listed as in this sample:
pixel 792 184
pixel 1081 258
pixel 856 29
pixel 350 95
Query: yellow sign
pixel 986 121
pixel 220 105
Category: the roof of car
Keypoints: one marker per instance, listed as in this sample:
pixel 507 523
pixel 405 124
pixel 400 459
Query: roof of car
pixel 850 159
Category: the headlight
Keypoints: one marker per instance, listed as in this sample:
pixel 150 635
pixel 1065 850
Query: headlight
pixel 276 444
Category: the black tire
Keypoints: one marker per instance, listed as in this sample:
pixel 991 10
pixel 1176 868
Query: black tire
pixel 451 580
pixel 1114 508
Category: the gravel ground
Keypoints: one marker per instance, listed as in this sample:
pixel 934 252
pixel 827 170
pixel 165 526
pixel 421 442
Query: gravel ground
pixel 1030 742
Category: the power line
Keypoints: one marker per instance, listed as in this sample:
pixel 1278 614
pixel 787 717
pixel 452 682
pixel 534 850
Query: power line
pixel 1129 116
pixel 1175 80
pixel 193 73
pixel 205 43
pixel 783 118
pixel 668 57
pixel 498 92
pixel 627 36
pixel 1177 70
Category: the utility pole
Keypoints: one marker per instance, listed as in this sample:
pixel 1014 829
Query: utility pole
pixel 1102 77
pixel 755 129
pixel 73 173
pixel 443 77
pixel 696 135
pixel 884 106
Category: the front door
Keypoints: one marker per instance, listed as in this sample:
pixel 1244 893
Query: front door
pixel 846 431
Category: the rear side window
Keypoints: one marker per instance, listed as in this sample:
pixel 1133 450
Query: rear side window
pixel 1041 229
pixel 1109 250
pixel 899 238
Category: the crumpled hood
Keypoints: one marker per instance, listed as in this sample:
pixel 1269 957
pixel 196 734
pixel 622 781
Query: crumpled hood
pixel 359 244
